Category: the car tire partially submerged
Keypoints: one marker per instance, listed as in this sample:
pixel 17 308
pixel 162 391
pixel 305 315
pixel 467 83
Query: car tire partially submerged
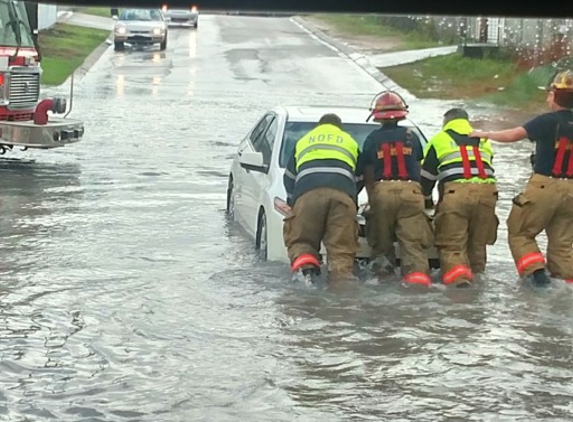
pixel 262 236
pixel 230 199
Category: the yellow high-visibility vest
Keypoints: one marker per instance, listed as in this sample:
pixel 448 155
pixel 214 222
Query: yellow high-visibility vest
pixel 327 142
pixel 448 152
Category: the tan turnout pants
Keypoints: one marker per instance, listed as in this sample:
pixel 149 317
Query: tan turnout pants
pixel 545 204
pixel 397 214
pixel 465 223
pixel 324 215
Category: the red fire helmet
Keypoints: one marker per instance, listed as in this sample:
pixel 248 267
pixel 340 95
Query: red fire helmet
pixel 388 105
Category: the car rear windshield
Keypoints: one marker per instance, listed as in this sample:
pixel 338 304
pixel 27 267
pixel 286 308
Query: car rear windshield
pixel 296 130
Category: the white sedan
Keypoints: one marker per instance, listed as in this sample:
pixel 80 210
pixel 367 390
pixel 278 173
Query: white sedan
pixel 143 27
pixel 256 195
pixel 188 17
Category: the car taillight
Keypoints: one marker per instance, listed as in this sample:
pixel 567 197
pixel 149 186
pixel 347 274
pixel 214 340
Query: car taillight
pixel 194 9
pixel 281 206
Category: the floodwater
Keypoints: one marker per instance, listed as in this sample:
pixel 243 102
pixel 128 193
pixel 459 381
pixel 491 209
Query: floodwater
pixel 128 296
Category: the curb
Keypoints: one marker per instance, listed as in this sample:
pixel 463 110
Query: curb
pixel 351 53
pixel 92 59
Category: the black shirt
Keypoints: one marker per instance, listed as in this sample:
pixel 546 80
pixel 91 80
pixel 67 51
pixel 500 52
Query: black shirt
pixel 543 130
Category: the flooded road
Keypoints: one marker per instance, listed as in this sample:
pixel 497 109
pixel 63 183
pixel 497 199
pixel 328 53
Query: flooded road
pixel 127 296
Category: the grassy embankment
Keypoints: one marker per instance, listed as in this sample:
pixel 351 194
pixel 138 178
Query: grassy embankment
pixel 64 49
pixel 494 80
pixel 370 26
pixel 98 11
pixel 452 77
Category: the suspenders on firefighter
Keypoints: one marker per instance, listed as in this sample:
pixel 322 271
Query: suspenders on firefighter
pixel 390 166
pixel 546 204
pixel 320 183
pixel 465 220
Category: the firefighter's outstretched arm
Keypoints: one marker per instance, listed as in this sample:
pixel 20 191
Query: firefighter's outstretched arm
pixel 506 136
pixel 429 175
pixel 289 178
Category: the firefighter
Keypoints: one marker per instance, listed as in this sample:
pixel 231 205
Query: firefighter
pixel 390 166
pixel 465 220
pixel 321 186
pixel 547 200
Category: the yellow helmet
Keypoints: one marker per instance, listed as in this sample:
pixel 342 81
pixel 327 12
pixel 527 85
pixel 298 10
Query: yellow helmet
pixel 563 81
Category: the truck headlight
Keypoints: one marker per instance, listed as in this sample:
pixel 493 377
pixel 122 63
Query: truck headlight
pixel 157 31
pixel 120 30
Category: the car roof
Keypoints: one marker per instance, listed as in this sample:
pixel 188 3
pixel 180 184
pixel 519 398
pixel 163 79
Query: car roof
pixel 140 8
pixel 313 113
pixel 137 9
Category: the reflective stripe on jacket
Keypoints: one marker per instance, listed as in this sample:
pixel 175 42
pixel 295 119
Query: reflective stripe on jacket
pixel 324 157
pixel 326 142
pixel 444 158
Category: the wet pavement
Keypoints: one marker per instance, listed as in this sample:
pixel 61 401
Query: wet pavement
pixel 127 296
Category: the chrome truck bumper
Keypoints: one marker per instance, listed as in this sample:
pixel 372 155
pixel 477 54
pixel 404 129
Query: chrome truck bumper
pixel 58 132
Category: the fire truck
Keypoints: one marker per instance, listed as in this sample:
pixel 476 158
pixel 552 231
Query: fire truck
pixel 26 121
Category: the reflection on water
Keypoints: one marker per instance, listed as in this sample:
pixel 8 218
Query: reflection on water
pixel 38 200
pixel 120 85
pixel 192 44
pixel 34 189
pixel 156 82
pixel 157 57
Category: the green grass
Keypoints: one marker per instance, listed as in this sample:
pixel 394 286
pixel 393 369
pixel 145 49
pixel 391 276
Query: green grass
pixel 64 49
pixel 523 91
pixel 453 77
pixel 370 26
pixel 98 11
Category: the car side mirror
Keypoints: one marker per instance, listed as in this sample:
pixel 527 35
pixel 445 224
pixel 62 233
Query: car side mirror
pixel 115 17
pixel 253 161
